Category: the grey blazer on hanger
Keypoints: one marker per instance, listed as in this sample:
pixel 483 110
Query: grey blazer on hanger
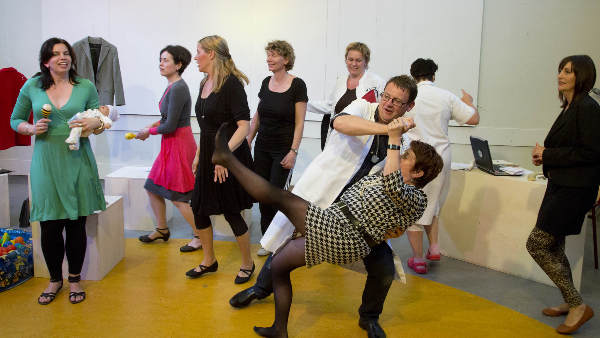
pixel 108 75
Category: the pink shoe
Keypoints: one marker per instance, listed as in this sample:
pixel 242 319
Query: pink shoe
pixel 418 267
pixel 433 257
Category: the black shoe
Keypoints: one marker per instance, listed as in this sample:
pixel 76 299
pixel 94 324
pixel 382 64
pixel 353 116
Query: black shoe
pixel 203 269
pixel 248 272
pixel 244 297
pixel 164 236
pixel 372 327
pixel 189 248
pixel 50 295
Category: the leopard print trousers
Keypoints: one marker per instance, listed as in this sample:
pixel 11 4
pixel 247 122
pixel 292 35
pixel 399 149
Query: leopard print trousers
pixel 549 253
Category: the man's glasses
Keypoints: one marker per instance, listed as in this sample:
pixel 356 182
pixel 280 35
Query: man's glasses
pixel 396 102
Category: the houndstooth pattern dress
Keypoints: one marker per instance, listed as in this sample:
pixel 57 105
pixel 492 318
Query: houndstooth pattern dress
pixel 380 203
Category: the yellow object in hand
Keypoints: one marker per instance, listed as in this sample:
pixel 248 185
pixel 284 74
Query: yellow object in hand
pixel 130 136
pixel 46 110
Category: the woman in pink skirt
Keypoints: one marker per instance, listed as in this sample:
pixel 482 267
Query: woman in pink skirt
pixel 171 176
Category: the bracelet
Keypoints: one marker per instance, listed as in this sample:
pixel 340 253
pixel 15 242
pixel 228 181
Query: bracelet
pixel 393 147
pixel 101 125
pixel 294 150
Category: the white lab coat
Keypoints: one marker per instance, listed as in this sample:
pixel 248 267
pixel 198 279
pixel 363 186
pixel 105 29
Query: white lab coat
pixel 434 108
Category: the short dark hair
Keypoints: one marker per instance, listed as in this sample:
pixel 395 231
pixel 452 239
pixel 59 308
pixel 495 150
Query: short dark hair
pixel 585 75
pixel 405 82
pixel 46 54
pixel 180 54
pixel 428 160
pixel 423 69
pixel 284 49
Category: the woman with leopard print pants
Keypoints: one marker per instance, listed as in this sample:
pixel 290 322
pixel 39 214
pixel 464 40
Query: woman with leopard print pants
pixel 571 162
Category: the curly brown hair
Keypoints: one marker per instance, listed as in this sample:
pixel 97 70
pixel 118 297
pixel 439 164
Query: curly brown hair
pixel 284 49
pixel 428 160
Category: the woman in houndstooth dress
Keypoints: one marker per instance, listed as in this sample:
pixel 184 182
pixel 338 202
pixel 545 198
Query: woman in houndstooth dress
pixel 369 212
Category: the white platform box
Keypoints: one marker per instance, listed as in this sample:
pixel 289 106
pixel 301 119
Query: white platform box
pixel 105 243
pixel 4 201
pixel 487 219
pixel 129 183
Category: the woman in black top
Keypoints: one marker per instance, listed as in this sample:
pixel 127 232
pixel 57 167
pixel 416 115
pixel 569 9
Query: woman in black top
pixel 221 99
pixel 571 162
pixel 279 122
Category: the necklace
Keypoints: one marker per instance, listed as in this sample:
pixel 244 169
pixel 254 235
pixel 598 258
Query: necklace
pixel 374 157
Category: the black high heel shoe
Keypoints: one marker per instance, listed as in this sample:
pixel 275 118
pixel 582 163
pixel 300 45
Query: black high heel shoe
pixel 249 272
pixel 203 269
pixel 163 236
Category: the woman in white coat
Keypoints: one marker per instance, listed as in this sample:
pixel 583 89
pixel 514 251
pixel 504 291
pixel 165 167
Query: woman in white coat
pixel 358 84
pixel 434 108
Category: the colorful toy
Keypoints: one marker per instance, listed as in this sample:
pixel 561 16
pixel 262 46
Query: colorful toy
pixel 46 110
pixel 5 238
pixel 16 260
pixel 130 136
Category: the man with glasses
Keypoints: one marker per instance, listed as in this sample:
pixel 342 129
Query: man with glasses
pixel 358 143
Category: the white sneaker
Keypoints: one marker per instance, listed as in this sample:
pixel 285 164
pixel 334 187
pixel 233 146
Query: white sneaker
pixel 263 252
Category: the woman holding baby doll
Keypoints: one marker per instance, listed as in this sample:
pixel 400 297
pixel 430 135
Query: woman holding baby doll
pixel 171 176
pixel 65 187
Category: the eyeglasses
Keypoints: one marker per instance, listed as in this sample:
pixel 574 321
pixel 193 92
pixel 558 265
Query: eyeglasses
pixel 396 102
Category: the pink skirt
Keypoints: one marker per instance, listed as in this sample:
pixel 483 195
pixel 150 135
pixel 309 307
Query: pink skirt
pixel 172 169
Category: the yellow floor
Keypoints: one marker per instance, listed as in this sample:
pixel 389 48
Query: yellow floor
pixel 147 294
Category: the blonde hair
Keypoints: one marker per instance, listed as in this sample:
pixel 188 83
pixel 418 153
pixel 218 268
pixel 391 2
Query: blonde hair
pixel 361 48
pixel 223 64
pixel 284 49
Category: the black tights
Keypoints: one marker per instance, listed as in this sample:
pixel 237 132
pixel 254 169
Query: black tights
pixel 54 245
pixel 292 206
pixel 290 257
pixel 292 254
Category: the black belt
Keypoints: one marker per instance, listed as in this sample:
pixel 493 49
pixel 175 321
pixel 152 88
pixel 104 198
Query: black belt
pixel 346 211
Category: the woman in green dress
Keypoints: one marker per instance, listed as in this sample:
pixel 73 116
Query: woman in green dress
pixel 65 187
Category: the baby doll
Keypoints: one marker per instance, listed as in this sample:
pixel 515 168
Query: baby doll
pixel 107 114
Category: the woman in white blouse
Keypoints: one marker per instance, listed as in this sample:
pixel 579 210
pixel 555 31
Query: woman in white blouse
pixel 358 84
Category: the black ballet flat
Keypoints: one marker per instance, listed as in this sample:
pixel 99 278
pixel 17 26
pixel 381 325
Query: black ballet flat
pixel 164 236
pixel 189 248
pixel 203 269
pixel 249 272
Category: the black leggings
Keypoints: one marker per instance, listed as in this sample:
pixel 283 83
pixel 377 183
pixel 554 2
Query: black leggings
pixel 267 165
pixel 549 252
pixel 54 245
pixel 236 222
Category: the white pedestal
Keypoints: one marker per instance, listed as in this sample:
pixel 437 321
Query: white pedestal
pixel 487 219
pixel 129 183
pixel 4 201
pixel 105 243
pixel 221 226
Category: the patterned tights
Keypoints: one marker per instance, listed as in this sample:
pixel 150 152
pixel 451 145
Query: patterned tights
pixel 549 253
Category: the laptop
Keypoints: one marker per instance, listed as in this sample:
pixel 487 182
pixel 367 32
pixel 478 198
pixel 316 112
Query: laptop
pixel 483 158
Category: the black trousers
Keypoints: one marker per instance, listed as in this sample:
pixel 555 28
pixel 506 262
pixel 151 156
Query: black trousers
pixel 267 165
pixel 380 275
pixel 54 245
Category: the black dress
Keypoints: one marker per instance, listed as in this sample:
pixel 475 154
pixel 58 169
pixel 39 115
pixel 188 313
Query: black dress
pixel 228 105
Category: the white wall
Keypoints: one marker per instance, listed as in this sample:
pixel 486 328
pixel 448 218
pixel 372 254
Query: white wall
pixel 515 77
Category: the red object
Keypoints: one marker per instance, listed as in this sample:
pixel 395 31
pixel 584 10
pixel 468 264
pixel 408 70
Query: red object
pixel 172 168
pixel 418 267
pixel 19 240
pixel 432 257
pixel 370 96
pixel 11 82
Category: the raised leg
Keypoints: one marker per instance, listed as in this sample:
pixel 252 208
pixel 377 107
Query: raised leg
pixel 291 205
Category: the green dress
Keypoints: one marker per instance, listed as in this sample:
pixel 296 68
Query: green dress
pixel 64 183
